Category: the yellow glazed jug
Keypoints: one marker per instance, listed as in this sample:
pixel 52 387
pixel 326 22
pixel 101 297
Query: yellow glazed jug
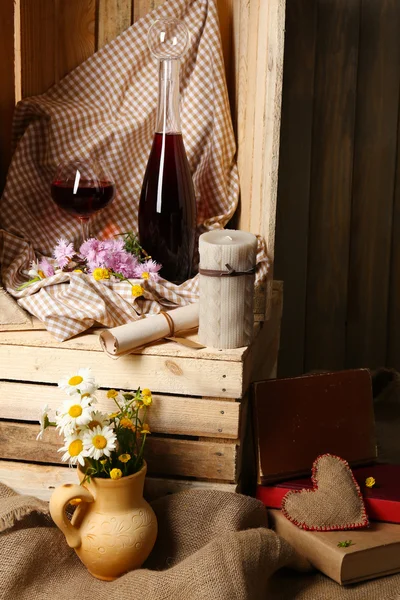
pixel 113 529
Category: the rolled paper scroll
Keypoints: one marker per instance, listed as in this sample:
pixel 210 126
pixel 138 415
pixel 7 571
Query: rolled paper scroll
pixel 227 266
pixel 125 338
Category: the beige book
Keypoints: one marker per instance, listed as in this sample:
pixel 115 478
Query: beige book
pixel 374 552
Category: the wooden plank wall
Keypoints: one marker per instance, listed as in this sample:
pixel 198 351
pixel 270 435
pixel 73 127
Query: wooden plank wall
pixel 338 221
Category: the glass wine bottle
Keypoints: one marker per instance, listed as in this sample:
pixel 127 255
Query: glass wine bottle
pixel 167 208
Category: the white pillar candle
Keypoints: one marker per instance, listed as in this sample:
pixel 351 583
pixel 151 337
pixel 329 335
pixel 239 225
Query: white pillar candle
pixel 226 318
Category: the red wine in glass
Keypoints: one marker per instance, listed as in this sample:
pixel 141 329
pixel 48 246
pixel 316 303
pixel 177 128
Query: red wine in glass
pixel 87 199
pixel 82 188
pixel 167 209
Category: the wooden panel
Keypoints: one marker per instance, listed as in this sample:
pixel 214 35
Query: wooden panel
pixel 41 480
pixel 373 183
pixel 76 31
pixel 90 341
pixel 39 56
pixel 259 48
pixel 294 178
pixel 142 7
pixel 7 88
pixel 331 183
pixel 113 17
pixel 168 414
pixel 175 376
pixel 66 39
pixel 393 347
pixel 164 456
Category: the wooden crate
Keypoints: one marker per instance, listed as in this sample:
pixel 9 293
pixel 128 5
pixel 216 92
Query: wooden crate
pixel 196 420
pixel 199 415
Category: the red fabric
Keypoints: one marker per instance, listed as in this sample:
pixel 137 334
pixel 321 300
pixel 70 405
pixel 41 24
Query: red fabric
pixel 382 502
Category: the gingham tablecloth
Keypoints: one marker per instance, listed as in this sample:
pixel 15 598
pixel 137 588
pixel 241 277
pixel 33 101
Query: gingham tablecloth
pixel 107 107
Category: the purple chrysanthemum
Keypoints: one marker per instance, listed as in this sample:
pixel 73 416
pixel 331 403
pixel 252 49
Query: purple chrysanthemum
pixel 63 252
pixel 148 270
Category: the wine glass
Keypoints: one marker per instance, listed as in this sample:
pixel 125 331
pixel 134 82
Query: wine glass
pixel 82 188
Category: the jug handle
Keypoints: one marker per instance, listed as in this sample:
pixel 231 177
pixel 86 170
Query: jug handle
pixel 58 503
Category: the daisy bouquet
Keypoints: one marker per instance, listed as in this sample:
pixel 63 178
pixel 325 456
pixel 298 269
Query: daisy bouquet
pixel 120 258
pixel 106 445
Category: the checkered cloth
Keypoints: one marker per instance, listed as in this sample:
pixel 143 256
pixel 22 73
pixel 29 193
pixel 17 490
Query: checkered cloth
pixel 107 108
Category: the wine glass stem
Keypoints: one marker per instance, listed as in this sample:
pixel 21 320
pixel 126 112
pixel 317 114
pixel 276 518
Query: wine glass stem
pixel 85 229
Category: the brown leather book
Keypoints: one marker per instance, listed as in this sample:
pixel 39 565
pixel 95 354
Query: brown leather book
pixel 374 551
pixel 300 418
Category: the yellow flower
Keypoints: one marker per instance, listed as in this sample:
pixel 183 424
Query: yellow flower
pixel 139 404
pixel 100 274
pixel 104 461
pixel 112 394
pixel 124 458
pixel 137 291
pixel 370 482
pixel 115 473
pixel 78 271
pixel 147 400
pixel 145 275
pixel 145 429
pixel 41 274
pixel 127 423
pixel 146 392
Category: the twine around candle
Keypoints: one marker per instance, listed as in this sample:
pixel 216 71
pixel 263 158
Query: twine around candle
pixel 229 273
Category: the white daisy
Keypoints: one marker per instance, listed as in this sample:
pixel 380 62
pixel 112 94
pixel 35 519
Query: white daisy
pixel 81 382
pixel 44 421
pixel 75 412
pixel 98 419
pixel 73 450
pixel 99 441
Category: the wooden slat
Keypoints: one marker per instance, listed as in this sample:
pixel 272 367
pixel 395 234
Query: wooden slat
pixel 41 480
pixel 331 183
pixel 168 414
pixel 174 376
pixel 39 55
pixel 263 356
pixel 373 183
pixel 164 456
pixel 142 7
pixel 76 33
pixel 90 341
pixel 113 17
pixel 259 84
pixel 294 179
pixel 7 88
pixel 56 36
pixel 393 347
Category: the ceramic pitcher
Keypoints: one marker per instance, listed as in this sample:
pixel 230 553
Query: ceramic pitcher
pixel 113 529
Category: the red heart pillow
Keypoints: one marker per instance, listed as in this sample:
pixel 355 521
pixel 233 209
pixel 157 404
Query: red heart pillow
pixel 334 503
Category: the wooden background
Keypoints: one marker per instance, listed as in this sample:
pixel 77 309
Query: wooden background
pixel 338 217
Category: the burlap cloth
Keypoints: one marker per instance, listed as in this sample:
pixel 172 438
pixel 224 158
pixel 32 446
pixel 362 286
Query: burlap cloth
pixel 107 108
pixel 211 546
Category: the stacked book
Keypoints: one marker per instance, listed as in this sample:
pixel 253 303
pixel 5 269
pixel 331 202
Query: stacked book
pixel 352 556
pixel 298 419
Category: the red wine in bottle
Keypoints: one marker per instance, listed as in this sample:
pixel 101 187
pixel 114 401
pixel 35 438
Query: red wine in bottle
pixel 85 200
pixel 167 232
pixel 167 208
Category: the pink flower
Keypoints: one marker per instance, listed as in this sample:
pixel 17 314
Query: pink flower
pixel 93 251
pixel 63 252
pixel 126 264
pixel 46 267
pixel 148 270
